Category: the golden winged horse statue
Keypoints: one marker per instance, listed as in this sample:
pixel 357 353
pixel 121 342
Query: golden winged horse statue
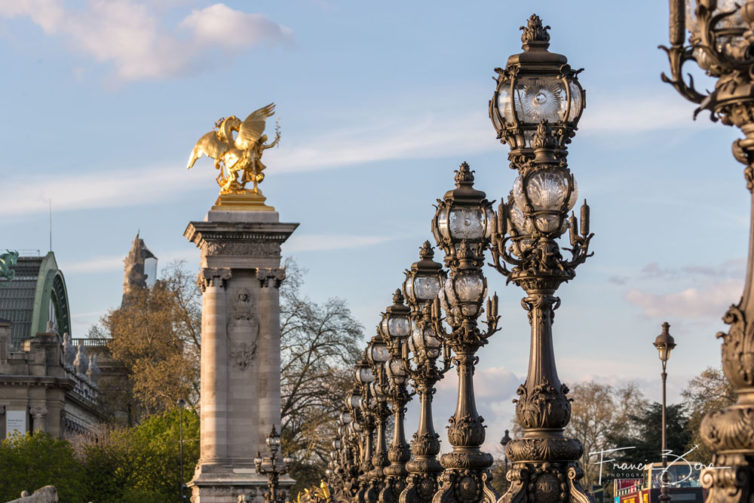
pixel 237 156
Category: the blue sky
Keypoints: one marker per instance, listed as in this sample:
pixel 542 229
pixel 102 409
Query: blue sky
pixel 378 103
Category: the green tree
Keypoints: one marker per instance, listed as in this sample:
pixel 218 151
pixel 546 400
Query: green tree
pixel 28 462
pixel 645 446
pixel 708 391
pixel 141 464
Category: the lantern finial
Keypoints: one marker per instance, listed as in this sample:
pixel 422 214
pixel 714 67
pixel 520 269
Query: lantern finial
pixel 425 252
pixel 398 297
pixel 464 175
pixel 535 32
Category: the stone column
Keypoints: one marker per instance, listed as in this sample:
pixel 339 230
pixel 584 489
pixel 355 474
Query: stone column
pixel 214 370
pixel 240 361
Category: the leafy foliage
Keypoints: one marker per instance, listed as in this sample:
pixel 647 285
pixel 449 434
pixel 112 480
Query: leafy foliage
pixel 28 462
pixel 645 446
pixel 135 465
pixel 708 391
pixel 156 335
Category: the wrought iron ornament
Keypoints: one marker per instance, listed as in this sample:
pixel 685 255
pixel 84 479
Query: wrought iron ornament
pixel 721 42
pixel 544 104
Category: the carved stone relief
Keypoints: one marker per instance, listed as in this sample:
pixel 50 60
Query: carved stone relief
pixel 243 321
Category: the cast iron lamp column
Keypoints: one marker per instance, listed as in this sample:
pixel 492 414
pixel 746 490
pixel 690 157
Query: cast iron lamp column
pixel 538 89
pixel 462 227
pixel 664 344
pixel 269 466
pixel 504 442
pixel 378 355
pixel 422 284
pixel 721 42
pixel 349 457
pixel 394 328
pixel 365 377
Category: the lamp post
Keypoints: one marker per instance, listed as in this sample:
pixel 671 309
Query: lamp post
pixel 664 344
pixel 364 424
pixel 181 406
pixel 394 328
pixel 378 355
pixel 720 42
pixel 421 286
pixel 504 442
pixel 535 109
pixel 462 227
pixel 349 462
pixel 269 466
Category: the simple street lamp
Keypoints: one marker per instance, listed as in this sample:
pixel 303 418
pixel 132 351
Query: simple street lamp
pixel 504 442
pixel 664 344
pixel 462 227
pixel 269 466
pixel 181 405
pixel 394 328
pixel 423 282
pixel 720 42
pixel 535 109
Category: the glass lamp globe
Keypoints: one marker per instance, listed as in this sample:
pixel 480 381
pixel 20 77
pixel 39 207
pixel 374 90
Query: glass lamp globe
pixel 465 291
pixel 396 322
pixel 541 201
pixel 396 371
pixel 345 417
pixel 463 215
pixel 535 85
pixel 363 371
pixel 378 351
pixel 424 279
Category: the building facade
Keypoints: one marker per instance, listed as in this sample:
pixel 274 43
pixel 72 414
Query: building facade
pixel 46 383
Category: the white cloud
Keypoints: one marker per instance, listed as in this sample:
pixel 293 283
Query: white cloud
pixel 115 262
pixel 103 189
pixel 130 36
pixel 428 137
pixel 631 113
pixel 706 302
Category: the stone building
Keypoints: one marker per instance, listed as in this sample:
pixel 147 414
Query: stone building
pixel 46 383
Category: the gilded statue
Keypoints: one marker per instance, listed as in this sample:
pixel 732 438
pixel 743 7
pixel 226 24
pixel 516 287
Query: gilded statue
pixel 237 149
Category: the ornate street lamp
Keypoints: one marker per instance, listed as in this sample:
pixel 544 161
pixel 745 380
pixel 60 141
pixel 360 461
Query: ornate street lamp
pixel 349 457
pixel 377 355
pixel 535 85
pixel 545 463
pixel 423 282
pixel 664 344
pixel 425 347
pixel 394 328
pixel 364 424
pixel 462 227
pixel 721 43
pixel 269 466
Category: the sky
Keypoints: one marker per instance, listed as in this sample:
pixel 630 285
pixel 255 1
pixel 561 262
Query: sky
pixel 378 103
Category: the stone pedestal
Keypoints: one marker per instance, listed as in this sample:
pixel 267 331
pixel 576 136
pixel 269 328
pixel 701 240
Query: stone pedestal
pixel 240 358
